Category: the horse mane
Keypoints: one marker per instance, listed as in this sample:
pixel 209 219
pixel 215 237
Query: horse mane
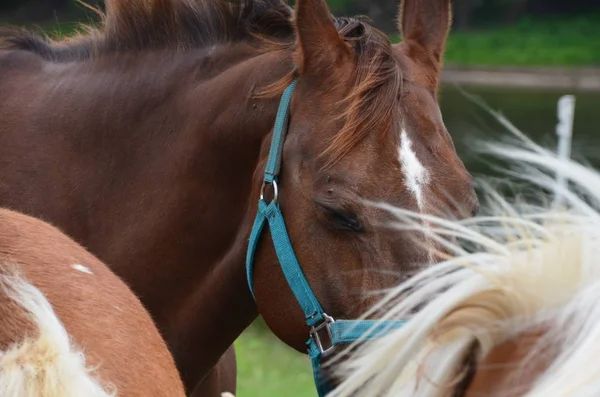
pixel 526 266
pixel 131 25
pixel 181 25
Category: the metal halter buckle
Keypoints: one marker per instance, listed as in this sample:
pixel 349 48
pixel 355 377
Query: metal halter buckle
pixel 314 333
pixel 275 191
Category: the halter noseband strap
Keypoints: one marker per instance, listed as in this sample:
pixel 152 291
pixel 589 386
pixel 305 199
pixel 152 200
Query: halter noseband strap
pixel 340 331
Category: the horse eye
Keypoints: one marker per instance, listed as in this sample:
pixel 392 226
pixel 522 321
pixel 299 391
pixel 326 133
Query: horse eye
pixel 342 219
pixel 347 221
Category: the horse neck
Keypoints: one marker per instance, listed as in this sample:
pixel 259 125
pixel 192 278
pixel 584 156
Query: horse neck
pixel 216 313
pixel 219 305
pixel 159 189
pixel 206 168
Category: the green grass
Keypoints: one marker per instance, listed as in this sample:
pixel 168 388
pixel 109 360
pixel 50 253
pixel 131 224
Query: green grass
pixel 546 42
pixel 267 367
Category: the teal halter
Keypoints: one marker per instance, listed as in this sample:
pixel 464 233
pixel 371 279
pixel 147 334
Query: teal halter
pixel 339 331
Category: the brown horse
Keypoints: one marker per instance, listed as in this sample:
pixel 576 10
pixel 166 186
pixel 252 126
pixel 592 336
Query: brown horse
pixel 69 327
pixel 146 140
pixel 518 314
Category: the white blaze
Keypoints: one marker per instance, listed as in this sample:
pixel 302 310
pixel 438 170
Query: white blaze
pixel 415 174
pixel 82 268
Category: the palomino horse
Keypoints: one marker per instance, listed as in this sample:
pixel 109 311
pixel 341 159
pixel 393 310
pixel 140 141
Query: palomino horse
pixel 69 327
pixel 147 141
pixel 516 315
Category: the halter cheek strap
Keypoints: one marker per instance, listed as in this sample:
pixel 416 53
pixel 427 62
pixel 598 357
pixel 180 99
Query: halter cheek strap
pixel 269 213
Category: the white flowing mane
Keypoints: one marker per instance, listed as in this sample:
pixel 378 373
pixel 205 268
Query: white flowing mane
pixel 528 264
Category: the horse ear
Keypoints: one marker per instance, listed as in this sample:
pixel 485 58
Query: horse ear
pixel 426 23
pixel 319 46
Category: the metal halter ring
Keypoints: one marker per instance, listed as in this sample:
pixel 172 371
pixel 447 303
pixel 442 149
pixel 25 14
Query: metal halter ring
pixel 314 334
pixel 275 191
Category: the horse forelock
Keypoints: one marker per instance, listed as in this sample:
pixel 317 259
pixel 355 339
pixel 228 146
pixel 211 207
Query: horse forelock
pixel 534 267
pixel 370 105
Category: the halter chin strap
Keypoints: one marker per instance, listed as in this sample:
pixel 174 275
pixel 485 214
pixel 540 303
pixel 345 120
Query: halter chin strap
pixel 338 331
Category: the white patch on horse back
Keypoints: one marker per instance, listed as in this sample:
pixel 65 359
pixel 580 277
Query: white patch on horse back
pixel 82 268
pixel 415 174
pixel 227 394
pixel 51 353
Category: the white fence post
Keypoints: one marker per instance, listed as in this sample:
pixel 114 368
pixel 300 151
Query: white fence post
pixel 564 130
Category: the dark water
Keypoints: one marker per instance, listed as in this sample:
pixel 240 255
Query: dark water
pixel 533 111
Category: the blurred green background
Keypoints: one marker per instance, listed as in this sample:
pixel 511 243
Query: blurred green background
pixel 486 33
pixel 268 368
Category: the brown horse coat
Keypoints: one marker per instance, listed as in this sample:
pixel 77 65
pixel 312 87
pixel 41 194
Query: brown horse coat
pixel 99 312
